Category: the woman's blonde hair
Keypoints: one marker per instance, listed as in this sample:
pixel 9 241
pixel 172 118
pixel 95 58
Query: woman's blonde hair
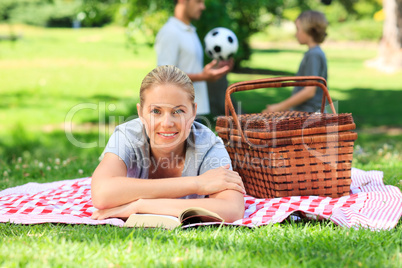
pixel 315 24
pixel 167 74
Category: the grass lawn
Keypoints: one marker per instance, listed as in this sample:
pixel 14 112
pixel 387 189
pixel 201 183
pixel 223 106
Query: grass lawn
pixel 90 79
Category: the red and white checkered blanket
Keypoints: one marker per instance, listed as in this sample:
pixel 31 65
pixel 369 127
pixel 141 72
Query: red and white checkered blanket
pixel 371 204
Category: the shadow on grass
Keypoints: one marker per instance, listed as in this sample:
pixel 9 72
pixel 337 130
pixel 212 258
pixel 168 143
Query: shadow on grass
pixel 107 105
pixel 265 71
pixel 54 144
pixel 276 50
pixel 23 98
pixel 372 108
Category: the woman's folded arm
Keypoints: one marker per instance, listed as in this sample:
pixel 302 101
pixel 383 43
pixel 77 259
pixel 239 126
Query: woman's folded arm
pixel 110 186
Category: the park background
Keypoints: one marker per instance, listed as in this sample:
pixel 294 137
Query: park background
pixel 71 70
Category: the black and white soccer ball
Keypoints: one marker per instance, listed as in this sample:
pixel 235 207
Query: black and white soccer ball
pixel 221 43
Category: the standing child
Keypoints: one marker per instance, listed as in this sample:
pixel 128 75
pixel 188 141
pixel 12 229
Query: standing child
pixel 311 31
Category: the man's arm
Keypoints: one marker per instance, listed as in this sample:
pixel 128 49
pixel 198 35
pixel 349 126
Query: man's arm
pixel 210 73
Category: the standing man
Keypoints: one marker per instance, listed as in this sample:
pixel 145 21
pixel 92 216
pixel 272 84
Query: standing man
pixel 177 43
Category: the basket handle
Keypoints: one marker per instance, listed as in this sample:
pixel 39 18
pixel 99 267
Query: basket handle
pixel 274 82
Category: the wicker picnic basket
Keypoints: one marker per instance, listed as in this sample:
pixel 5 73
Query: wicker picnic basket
pixel 289 153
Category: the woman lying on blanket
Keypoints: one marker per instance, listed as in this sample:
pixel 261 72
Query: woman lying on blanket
pixel 164 162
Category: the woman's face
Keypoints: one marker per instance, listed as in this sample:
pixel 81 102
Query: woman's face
pixel 167 114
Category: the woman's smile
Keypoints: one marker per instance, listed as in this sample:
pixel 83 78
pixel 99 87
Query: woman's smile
pixel 168 135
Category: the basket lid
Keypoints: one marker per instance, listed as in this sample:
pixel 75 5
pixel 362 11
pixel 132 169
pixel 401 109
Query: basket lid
pixel 285 121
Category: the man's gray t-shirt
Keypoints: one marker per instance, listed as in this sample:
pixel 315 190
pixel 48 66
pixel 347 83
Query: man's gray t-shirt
pixel 178 44
pixel 314 63
pixel 204 150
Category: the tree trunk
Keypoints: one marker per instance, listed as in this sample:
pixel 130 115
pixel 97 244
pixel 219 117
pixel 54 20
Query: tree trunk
pixel 390 54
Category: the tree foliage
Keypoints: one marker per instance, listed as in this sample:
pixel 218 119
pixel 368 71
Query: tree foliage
pixel 96 13
pixel 244 17
pixel 7 7
pixel 59 13
pixel 144 18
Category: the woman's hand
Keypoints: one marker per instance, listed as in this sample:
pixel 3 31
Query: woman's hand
pixel 218 180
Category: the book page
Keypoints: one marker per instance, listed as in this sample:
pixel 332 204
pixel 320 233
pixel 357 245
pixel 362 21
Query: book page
pixel 197 215
pixel 152 220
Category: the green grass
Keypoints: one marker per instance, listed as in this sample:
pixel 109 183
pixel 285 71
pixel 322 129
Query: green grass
pixel 50 72
pixel 279 245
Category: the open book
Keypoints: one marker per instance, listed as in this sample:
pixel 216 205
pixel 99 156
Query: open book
pixel 187 216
